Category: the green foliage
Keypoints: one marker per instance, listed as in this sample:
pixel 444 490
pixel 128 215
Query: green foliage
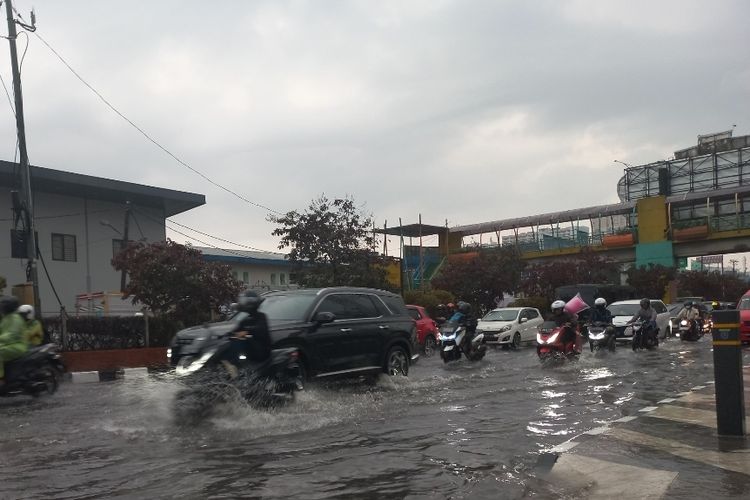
pixel 480 279
pixel 429 299
pixel 541 280
pixel 174 280
pixel 331 244
pixel 712 285
pixel 541 303
pixel 91 333
pixel 651 281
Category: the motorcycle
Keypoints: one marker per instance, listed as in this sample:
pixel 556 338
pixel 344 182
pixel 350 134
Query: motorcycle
pixel 36 372
pixel 644 337
pixel 453 341
pixel 601 336
pixel 211 379
pixel 550 345
pixel 691 330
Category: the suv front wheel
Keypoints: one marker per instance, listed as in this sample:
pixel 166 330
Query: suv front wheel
pixel 397 362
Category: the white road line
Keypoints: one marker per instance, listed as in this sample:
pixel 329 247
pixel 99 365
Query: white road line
pixel 727 461
pixel 694 416
pixel 563 447
pixel 667 400
pixel 648 409
pixel 597 430
pixel 697 387
pixel 629 418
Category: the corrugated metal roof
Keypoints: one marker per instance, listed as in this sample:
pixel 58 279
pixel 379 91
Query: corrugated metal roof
pixel 243 256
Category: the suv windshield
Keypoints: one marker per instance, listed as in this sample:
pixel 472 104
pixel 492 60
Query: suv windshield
pixel 284 308
pixel 624 309
pixel 501 315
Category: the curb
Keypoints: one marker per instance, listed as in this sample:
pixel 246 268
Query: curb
pixel 107 376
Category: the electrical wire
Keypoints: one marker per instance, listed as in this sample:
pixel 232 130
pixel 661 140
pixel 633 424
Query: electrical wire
pixel 164 223
pixel 147 136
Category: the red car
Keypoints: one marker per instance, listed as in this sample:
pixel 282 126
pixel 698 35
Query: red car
pixel 427 329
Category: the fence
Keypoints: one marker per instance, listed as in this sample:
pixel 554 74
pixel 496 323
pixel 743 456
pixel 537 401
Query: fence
pixel 106 333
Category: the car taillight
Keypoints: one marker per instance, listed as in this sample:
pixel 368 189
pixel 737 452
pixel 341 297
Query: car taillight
pixel 294 356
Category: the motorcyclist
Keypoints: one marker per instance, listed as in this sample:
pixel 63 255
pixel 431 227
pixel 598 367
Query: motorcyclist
pixel 690 313
pixel 647 314
pixel 465 318
pixel 441 315
pixel 12 344
pixel 252 337
pixel 33 334
pixel 567 320
pixel 600 314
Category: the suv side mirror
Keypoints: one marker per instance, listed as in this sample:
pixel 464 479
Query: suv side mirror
pixel 324 317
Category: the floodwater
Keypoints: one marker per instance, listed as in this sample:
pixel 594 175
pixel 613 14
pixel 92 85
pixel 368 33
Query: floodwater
pixel 447 431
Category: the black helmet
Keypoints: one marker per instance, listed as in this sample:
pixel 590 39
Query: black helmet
pixel 8 304
pixel 645 303
pixel 248 301
pixel 464 307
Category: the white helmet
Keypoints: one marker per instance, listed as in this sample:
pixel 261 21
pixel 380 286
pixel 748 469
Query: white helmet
pixel 558 304
pixel 27 311
pixel 600 302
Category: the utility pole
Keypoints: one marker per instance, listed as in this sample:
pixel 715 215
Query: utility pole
pixel 28 204
pixel 124 243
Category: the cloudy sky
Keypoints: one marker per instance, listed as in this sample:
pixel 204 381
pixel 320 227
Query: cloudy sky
pixel 468 110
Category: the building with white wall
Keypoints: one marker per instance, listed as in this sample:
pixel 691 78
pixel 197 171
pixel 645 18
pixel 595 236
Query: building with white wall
pixel 80 222
pixel 260 271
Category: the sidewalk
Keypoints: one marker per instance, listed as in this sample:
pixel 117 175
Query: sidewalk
pixel 667 451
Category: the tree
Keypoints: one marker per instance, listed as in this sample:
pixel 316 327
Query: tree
pixel 478 280
pixel 711 285
pixel 651 281
pixel 331 244
pixel 174 280
pixel 541 280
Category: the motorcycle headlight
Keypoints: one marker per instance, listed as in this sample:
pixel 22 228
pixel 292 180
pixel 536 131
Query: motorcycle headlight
pixel 479 337
pixel 553 338
pixel 539 339
pixel 195 365
pixel 169 353
pixel 683 322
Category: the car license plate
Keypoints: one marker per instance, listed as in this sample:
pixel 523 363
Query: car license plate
pixel 448 348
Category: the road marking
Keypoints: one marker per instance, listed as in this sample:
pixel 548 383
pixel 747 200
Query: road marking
pixel 598 479
pixel 629 418
pixel 667 400
pixel 648 409
pixel 697 387
pixel 597 430
pixel 684 393
pixel 686 415
pixel 727 461
pixel 563 447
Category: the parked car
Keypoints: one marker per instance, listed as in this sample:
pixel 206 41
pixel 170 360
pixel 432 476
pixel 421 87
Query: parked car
pixel 624 310
pixel 427 329
pixel 509 326
pixel 338 330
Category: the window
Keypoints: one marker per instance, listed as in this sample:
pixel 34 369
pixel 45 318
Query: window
pixel 246 277
pixel 395 304
pixel 532 313
pixel 116 245
pixel 414 314
pixel 282 279
pixel 234 275
pixel 273 278
pixel 64 247
pixel 349 306
pixel 658 306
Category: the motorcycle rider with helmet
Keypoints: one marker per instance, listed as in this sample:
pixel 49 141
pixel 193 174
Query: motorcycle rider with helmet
pixel 690 313
pixel 566 320
pixel 252 338
pixel 12 327
pixel 600 314
pixel 33 333
pixel 647 314
pixel 463 317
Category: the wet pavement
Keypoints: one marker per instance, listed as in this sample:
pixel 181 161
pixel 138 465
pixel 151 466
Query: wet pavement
pixel 457 431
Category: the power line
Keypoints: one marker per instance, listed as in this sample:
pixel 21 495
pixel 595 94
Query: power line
pixel 147 136
pixel 202 233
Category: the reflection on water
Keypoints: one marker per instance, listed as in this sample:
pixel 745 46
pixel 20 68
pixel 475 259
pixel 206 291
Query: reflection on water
pixel 461 430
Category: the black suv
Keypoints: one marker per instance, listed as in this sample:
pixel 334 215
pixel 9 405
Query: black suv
pixel 338 331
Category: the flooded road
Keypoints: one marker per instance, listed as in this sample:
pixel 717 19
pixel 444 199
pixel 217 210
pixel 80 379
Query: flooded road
pixel 459 431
